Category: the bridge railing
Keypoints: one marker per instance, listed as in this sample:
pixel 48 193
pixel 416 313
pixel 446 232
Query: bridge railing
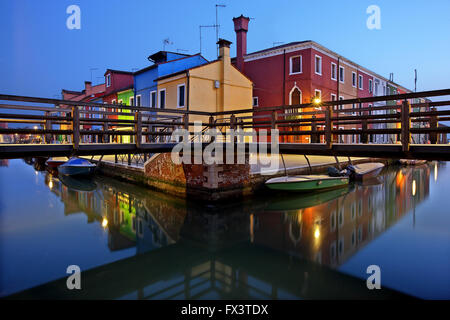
pixel 403 118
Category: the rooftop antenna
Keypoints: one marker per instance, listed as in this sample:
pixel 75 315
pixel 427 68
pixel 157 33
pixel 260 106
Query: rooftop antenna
pixel 200 28
pixel 166 42
pixel 217 24
pixel 415 80
pixel 92 69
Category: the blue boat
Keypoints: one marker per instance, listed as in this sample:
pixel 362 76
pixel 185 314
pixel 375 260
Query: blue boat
pixel 77 167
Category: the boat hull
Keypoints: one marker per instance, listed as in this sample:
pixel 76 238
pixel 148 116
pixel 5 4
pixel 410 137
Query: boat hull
pixel 367 171
pixel 412 162
pixel 307 185
pixel 76 170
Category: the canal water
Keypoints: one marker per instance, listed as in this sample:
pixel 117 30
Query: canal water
pixel 134 243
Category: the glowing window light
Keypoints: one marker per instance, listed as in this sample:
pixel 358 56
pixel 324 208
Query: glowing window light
pixel 104 223
pixel 414 187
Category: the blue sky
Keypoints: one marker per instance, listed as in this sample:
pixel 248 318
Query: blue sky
pixel 40 56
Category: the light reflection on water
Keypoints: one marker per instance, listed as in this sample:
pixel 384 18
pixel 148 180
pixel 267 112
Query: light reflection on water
pixel 253 249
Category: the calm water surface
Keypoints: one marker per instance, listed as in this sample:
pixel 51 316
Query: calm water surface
pixel 131 242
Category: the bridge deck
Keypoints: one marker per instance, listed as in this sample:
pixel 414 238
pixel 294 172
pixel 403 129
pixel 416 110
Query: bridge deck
pixel 416 151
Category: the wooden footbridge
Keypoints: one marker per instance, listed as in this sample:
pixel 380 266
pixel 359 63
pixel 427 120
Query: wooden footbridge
pixel 394 126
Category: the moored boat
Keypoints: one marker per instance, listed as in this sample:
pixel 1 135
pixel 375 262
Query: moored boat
pixel 306 183
pixel 412 162
pixel 77 167
pixel 365 170
pixel 55 162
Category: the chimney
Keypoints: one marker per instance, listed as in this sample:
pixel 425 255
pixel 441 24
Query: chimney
pixel 224 50
pixel 241 28
pixel 87 87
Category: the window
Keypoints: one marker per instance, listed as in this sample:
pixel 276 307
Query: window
pixel 333 71
pixel 333 97
pixel 376 88
pixel 333 221
pixel 131 101
pixel 181 95
pixel 341 106
pixel 108 80
pixel 341 74
pixel 255 101
pixel 360 82
pixel 153 99
pixel 384 90
pixel 295 65
pixel 138 100
pixel 318 64
pixel 114 101
pixel 318 94
pixel 162 98
pixel 354 79
pixel 370 85
pixel 120 101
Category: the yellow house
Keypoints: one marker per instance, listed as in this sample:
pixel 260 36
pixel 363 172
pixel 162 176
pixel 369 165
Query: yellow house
pixel 212 87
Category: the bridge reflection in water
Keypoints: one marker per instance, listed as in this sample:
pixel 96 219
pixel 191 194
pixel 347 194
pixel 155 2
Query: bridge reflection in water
pixel 283 247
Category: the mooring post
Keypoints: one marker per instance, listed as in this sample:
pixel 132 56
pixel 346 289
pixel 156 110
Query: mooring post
pixel 138 128
pixel 314 136
pixel 406 124
pixel 433 125
pixel 75 127
pixel 328 128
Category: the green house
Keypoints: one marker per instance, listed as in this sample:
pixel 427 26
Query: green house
pixel 126 97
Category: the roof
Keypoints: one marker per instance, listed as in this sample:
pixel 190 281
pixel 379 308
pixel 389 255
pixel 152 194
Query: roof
pixel 117 71
pixel 185 70
pixel 157 64
pixel 199 66
pixel 319 46
pixel 163 54
pixel 105 94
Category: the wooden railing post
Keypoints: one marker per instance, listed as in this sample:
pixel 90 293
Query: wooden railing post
pixel 211 125
pixel 138 128
pixel 433 125
pixel 186 123
pixel 75 127
pixel 48 126
pixel 314 135
pixel 233 127
pixel 364 135
pixel 328 128
pixel 406 125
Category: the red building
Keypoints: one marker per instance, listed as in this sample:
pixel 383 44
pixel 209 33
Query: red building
pixel 116 81
pixel 297 72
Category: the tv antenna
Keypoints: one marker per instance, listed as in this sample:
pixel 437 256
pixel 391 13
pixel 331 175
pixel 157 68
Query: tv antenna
pixel 415 80
pixel 217 24
pixel 166 42
pixel 92 69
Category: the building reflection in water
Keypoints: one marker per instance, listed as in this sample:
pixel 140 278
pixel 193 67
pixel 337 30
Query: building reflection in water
pixel 331 232
pixel 265 248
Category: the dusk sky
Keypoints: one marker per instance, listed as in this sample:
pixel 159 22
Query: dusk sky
pixel 40 55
